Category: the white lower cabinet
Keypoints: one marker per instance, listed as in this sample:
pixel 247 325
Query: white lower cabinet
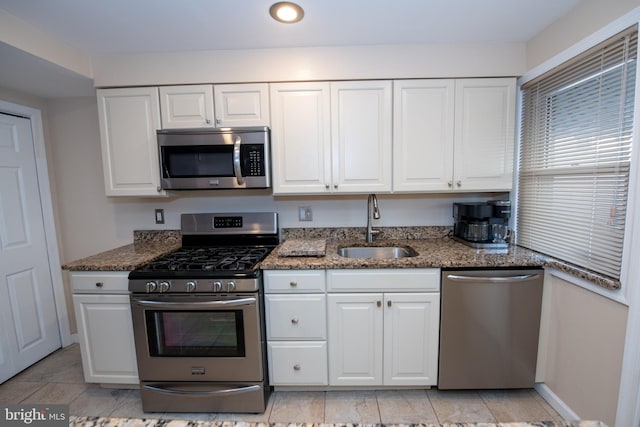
pixel 103 316
pixel 295 306
pixel 383 338
pixel 353 328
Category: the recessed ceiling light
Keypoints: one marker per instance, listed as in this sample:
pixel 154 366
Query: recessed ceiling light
pixel 286 12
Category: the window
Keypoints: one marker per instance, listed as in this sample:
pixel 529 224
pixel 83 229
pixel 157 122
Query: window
pixel 575 156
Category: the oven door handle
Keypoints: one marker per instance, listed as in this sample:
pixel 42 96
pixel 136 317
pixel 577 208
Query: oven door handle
pixel 198 305
pixel 225 392
pixel 237 169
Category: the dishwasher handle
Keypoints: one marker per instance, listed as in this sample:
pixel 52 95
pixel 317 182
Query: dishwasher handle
pixel 491 279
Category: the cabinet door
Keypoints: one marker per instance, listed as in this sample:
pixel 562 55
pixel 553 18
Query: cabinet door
pixel 128 120
pixel 242 104
pixel 106 338
pixel 188 106
pixel 355 339
pixel 484 134
pixel 361 136
pixel 423 112
pixel 300 136
pixel 411 325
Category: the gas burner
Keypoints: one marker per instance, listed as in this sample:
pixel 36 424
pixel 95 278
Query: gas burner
pixel 210 259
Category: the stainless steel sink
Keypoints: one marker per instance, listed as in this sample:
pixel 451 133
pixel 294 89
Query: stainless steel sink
pixel 380 252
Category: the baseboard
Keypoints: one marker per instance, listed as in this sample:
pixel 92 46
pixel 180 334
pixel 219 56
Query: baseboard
pixel 556 403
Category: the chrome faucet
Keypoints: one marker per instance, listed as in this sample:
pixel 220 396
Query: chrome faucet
pixel 372 213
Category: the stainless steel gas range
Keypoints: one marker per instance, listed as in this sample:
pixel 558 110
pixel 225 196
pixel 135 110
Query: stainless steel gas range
pixel 198 317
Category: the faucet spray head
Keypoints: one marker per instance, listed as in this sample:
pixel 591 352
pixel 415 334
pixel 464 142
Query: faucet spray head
pixel 376 211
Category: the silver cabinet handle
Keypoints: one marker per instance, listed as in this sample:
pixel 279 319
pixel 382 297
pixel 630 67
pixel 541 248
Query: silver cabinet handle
pixel 99 284
pixel 450 183
pixel 459 183
pixel 293 283
pixel 237 142
pixel 296 367
pixel 294 321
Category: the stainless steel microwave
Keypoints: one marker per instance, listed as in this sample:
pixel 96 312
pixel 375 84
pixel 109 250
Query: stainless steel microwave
pixel 214 158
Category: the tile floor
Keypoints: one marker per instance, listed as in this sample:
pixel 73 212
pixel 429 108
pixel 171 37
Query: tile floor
pixel 58 379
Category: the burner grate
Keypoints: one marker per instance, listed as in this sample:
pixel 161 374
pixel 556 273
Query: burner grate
pixel 210 259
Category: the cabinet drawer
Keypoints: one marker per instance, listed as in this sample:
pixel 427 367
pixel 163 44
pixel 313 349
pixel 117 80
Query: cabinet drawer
pixel 388 280
pixel 113 282
pixel 295 363
pixel 294 281
pixel 296 317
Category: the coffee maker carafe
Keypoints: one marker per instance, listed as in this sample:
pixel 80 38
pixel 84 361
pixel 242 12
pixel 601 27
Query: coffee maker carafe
pixel 482 224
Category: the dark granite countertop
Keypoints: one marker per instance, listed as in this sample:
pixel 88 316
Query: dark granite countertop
pixel 146 246
pixel 430 253
pixel 433 246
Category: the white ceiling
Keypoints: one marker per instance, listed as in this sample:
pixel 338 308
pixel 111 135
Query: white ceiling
pixel 99 27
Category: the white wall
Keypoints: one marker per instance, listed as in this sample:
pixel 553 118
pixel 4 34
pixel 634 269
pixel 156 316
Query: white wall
pixel 317 63
pixel 581 358
pixel 586 18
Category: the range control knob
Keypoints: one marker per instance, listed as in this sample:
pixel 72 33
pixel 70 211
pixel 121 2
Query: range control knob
pixel 191 286
pixel 151 286
pixel 231 286
pixel 164 286
pixel 217 286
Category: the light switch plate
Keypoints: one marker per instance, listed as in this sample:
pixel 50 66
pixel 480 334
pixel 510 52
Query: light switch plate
pixel 159 216
pixel 305 213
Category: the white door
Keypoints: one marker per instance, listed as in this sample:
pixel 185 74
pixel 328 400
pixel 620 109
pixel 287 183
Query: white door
pixel 484 134
pixel 244 104
pixel 423 113
pixel 361 136
pixel 355 339
pixel 186 106
pixel 411 332
pixel 301 138
pixel 28 321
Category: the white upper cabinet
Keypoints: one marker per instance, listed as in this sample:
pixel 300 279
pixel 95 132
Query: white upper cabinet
pixel 187 106
pixel 423 112
pixel 301 137
pixel 331 137
pixel 242 104
pixel 484 134
pixel 361 136
pixel 192 106
pixel 128 120
pixel 454 135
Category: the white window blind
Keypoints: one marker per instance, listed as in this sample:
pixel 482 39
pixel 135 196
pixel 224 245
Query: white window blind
pixel 575 155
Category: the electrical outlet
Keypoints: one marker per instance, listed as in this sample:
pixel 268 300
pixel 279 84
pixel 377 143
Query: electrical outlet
pixel 159 216
pixel 305 214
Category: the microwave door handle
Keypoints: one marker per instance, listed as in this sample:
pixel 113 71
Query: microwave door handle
pixel 237 141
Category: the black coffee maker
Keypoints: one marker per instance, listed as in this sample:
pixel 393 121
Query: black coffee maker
pixel 482 224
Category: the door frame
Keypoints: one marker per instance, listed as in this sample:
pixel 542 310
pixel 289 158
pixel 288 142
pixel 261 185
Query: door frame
pixel 44 190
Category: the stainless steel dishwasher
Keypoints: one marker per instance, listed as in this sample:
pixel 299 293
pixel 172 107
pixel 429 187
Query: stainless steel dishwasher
pixel 489 326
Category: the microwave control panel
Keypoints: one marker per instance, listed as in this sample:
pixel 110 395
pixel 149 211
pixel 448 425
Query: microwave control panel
pixel 253 164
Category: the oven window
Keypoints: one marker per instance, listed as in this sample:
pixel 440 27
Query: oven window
pixel 198 161
pixel 196 333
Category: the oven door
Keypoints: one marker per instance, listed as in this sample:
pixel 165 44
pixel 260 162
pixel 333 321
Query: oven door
pixel 199 337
